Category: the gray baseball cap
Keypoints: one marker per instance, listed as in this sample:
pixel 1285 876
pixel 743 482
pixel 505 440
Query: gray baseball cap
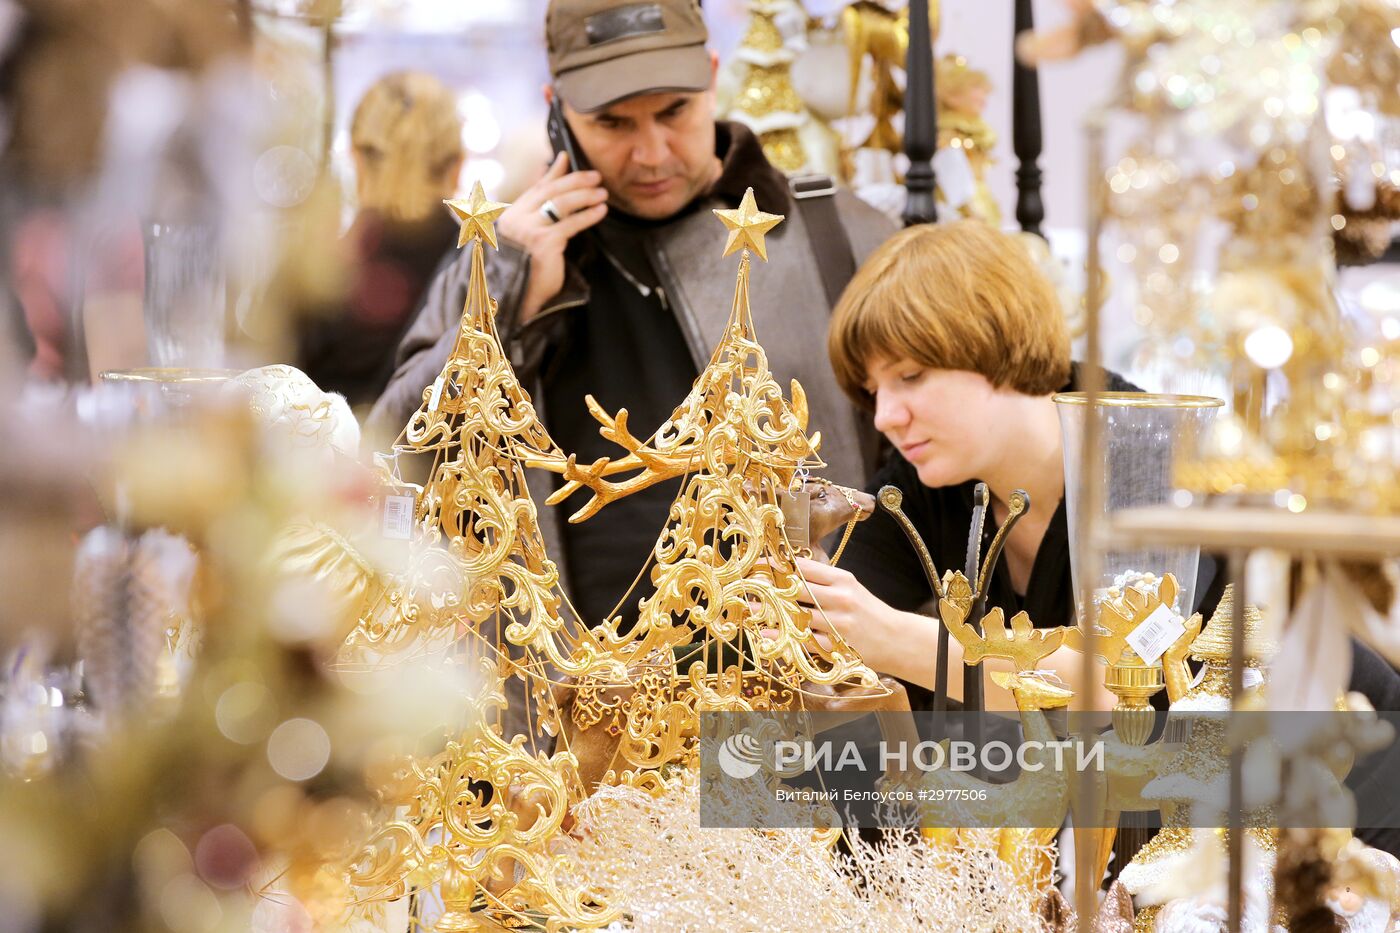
pixel 604 51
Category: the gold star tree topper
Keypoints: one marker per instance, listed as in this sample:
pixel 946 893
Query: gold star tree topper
pixel 478 216
pixel 747 225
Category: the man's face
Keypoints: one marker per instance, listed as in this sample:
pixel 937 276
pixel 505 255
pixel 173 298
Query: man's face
pixel 656 152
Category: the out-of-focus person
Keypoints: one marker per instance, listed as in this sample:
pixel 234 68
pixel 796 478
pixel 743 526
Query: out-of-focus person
pixel 406 141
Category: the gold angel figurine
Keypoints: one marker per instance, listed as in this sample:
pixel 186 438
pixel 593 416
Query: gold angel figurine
pixel 962 93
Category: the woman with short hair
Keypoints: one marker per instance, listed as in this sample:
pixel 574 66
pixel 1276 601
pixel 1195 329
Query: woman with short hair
pixel 956 340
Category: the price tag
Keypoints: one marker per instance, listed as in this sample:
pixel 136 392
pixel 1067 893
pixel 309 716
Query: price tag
pixel 797 517
pixel 1252 678
pixel 1156 634
pixel 398 517
pixel 436 398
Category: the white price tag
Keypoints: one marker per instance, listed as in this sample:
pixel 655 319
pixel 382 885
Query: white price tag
pixel 436 398
pixel 398 517
pixel 1156 634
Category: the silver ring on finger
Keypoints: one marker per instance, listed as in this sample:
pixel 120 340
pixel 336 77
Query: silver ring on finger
pixel 550 211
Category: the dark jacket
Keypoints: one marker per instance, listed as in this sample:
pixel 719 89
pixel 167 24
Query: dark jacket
pixel 790 309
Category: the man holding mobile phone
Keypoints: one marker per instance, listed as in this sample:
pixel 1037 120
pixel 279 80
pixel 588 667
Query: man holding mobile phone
pixel 609 278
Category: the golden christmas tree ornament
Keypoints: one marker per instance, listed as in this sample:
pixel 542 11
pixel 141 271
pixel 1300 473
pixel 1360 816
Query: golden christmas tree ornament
pixel 478 558
pixel 747 226
pixel 478 820
pixel 482 814
pixel 724 627
pixel 478 216
pixel 757 89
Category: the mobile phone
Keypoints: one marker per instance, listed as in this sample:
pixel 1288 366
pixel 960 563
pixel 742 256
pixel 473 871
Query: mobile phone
pixel 561 138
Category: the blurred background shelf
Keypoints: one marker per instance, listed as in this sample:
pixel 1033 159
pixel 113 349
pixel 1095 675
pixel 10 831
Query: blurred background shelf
pixel 1315 531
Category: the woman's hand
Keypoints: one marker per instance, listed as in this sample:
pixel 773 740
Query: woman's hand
pixel 841 604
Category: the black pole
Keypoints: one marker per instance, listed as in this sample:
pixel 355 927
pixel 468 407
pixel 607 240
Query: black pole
pixel 920 119
pixel 972 673
pixel 1025 129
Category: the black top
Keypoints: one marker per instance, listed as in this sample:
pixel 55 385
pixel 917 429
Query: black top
pixel 882 558
pixel 626 349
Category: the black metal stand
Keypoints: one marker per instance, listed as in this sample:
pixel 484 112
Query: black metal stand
pixel 1025 130
pixel 920 119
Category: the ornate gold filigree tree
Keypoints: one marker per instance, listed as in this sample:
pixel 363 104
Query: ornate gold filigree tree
pixel 477 818
pixel 724 617
pixel 479 558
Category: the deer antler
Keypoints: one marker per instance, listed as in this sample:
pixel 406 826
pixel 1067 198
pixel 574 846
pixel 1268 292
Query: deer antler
pixel 1120 614
pixel 1022 643
pixel 676 449
pixel 655 466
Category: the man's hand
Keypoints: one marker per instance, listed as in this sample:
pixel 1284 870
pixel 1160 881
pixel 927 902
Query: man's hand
pixel 580 201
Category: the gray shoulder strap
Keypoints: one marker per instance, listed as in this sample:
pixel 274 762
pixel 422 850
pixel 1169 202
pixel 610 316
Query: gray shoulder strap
pixel 836 260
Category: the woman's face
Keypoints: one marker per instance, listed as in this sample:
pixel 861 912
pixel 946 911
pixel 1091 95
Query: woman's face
pixel 941 420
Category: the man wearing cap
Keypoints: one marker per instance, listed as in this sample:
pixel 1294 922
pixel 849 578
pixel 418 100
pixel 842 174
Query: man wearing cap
pixel 610 282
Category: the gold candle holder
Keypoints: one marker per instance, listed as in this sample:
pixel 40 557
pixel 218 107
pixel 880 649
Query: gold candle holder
pixel 1127 676
pixel 1134 683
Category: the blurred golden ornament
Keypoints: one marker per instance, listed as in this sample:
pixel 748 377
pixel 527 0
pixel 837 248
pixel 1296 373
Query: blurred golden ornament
pixel 345 583
pixel 1367 56
pixel 873 29
pixel 785 150
pixel 480 823
pixel 757 88
pixel 961 99
pixel 766 91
